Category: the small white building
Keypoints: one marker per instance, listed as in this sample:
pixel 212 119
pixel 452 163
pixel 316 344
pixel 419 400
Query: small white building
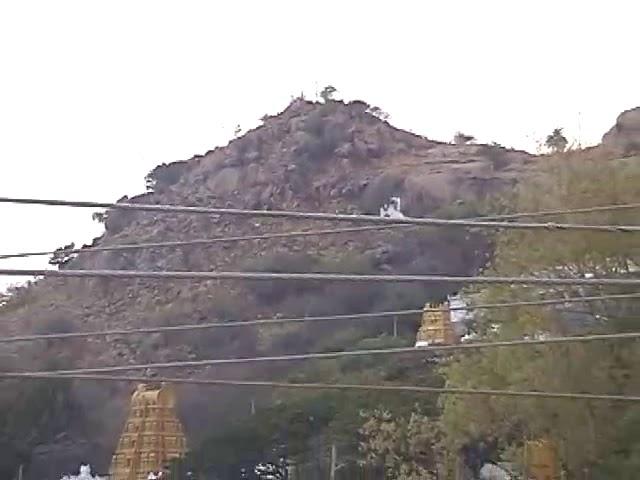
pixel 85 474
pixel 391 209
pixel 489 471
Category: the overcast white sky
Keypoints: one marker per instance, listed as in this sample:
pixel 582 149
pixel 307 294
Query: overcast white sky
pixel 93 95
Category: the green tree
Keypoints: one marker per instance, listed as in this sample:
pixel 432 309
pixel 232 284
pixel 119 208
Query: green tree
pixel 101 217
pixel 556 141
pixel 589 434
pixel 63 255
pixel 327 93
pixel 31 413
pixel 408 447
pixel 378 113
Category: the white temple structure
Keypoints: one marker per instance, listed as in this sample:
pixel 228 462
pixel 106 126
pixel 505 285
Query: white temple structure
pixel 85 474
pixel 459 318
pixel 391 209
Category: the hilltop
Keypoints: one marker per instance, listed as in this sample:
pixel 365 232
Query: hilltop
pixel 325 157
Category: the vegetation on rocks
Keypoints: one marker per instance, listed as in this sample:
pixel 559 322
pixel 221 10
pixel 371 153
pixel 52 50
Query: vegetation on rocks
pixel 342 157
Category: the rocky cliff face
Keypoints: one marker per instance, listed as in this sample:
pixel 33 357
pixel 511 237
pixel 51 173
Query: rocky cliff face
pixel 624 136
pixel 330 157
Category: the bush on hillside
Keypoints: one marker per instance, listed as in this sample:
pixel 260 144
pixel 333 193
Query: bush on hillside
pixel 165 175
pixel 55 324
pixel 556 141
pixel 379 191
pixel 273 291
pixel 321 135
pixel 496 155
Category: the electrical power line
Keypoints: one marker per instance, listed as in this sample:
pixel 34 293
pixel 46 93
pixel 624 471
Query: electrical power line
pixel 202 241
pixel 330 386
pixel 352 353
pixel 567 211
pixel 279 321
pixel 319 216
pixel 269 236
pixel 199 275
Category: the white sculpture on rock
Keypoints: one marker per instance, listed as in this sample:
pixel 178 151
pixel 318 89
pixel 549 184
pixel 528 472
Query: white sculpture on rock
pixel 493 472
pixel 85 474
pixel 155 476
pixel 391 209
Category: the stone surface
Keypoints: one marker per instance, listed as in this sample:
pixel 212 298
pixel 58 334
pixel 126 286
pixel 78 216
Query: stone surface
pixel 624 136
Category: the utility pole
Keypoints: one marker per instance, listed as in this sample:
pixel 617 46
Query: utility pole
pixel 284 467
pixel 334 461
pixel 395 326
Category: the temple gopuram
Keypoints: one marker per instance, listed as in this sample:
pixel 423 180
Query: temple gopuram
pixel 436 327
pixel 152 435
pixel 541 460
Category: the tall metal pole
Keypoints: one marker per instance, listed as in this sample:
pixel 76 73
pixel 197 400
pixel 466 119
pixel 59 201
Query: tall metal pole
pixel 284 467
pixel 334 461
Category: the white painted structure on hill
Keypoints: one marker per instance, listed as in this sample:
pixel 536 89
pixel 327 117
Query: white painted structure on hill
pixel 391 209
pixel 85 474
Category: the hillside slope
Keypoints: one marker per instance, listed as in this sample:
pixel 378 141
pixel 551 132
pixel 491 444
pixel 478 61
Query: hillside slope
pixel 330 157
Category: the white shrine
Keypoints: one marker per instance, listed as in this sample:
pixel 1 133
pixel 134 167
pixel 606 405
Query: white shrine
pixel 391 209
pixel 85 474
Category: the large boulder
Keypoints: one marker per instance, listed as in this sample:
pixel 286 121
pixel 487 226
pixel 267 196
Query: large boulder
pixel 624 136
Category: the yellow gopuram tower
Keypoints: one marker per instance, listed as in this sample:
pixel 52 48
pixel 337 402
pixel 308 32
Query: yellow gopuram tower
pixel 436 327
pixel 152 435
pixel 541 460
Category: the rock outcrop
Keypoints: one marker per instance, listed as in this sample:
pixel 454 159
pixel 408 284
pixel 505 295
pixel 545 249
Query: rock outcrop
pixel 328 157
pixel 624 136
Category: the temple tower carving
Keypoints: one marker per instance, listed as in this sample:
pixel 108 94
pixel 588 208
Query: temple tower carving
pixel 152 435
pixel 436 327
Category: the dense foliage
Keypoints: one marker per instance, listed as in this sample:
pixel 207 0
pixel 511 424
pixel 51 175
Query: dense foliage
pixel 30 413
pixel 592 437
pixel 417 437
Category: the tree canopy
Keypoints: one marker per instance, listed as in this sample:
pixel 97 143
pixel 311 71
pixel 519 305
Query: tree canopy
pixel 556 141
pixel 590 436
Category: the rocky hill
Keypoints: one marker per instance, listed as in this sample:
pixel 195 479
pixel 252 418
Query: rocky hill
pixel 328 157
pixel 624 136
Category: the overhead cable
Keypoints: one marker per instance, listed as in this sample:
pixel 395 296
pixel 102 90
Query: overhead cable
pixel 320 216
pixel 280 321
pixel 567 211
pixel 336 277
pixel 202 241
pixel 304 233
pixel 332 386
pixel 353 353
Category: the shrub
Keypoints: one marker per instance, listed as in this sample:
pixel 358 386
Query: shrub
pixel 380 342
pixel 556 141
pixel 271 292
pixel 328 92
pixel 496 155
pixel 378 113
pixel 321 136
pixel 62 256
pixel 379 191
pixel 165 175
pixel 56 324
pixel 459 210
